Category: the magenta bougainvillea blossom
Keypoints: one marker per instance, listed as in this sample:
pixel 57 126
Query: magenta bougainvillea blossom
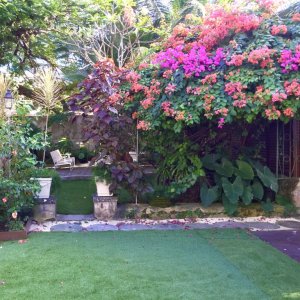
pixel 222 69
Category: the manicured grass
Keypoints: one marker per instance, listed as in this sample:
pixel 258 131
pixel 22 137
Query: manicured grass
pixel 75 197
pixel 206 264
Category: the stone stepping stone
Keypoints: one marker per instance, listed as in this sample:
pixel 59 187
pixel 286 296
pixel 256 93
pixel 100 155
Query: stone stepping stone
pixel 66 227
pixel 229 225
pixel 132 227
pixel 66 218
pixel 197 226
pixel 101 227
pixel 262 225
pixel 289 224
pixel 167 227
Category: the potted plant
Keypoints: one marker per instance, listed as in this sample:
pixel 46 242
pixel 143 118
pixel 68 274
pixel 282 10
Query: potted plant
pixel 103 181
pixel 47 178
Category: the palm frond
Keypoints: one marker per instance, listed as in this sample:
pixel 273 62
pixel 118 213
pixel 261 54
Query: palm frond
pixel 47 89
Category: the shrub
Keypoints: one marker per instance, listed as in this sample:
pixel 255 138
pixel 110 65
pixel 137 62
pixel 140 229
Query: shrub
pixel 235 181
pixel 17 165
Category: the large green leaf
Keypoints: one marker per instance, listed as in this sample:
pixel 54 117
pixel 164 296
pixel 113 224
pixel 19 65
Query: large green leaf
pixel 230 207
pixel 233 191
pixel 267 178
pixel 244 170
pixel 209 195
pixel 209 161
pixel 247 196
pixel 257 190
pixel 226 168
pixel 267 206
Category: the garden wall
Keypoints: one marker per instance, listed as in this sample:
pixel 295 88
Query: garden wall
pixel 67 128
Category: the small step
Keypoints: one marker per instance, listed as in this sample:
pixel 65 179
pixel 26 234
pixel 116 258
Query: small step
pixel 60 217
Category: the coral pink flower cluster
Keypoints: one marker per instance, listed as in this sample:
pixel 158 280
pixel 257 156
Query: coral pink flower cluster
pixel 279 97
pixel 262 57
pixel 296 17
pixel 273 113
pixel 279 29
pixel 143 125
pixel 292 88
pixel 166 107
pixel 170 88
pixel 236 60
pixel 210 79
pixel 235 90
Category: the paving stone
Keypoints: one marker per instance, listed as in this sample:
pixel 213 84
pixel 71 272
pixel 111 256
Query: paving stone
pixel 167 227
pixel 286 241
pixel 197 226
pixel 229 225
pixel 101 227
pixel 66 227
pixel 129 227
pixel 262 225
pixel 74 217
pixel 289 224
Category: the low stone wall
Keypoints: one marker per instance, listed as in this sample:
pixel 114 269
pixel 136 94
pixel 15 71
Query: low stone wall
pixel 290 188
pixel 180 211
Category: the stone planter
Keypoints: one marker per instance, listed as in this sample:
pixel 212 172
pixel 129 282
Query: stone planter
pixel 290 188
pixel 102 187
pixel 13 235
pixel 44 209
pixel 45 184
pixel 105 207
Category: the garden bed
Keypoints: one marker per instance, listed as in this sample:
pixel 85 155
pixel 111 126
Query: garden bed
pixel 16 234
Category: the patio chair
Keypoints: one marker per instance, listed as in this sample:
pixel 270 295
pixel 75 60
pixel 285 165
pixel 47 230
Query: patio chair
pixel 60 160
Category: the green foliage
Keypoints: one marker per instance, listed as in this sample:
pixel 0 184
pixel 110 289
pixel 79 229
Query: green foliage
pixel 246 183
pixel 102 173
pixel 17 164
pixel 209 195
pixel 48 173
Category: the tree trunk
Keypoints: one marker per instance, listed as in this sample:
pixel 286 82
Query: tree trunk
pixel 45 136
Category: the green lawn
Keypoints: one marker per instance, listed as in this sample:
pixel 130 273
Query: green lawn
pixel 206 264
pixel 75 197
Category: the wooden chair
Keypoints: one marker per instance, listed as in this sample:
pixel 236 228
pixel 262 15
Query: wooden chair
pixel 60 160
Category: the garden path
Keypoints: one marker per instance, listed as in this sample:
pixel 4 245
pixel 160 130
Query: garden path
pixel 82 171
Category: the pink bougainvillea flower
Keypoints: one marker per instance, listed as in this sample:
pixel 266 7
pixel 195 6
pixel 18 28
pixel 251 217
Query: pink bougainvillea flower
pixel 280 29
pixel 143 125
pixel 4 200
pixel 221 123
pixel 296 17
pixel 288 112
pixel 278 97
pixel 134 115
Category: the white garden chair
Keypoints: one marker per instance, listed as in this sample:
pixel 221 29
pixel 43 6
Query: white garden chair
pixel 60 160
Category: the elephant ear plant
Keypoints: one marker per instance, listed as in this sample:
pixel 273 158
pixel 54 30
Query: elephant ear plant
pixel 235 182
pixel 17 164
